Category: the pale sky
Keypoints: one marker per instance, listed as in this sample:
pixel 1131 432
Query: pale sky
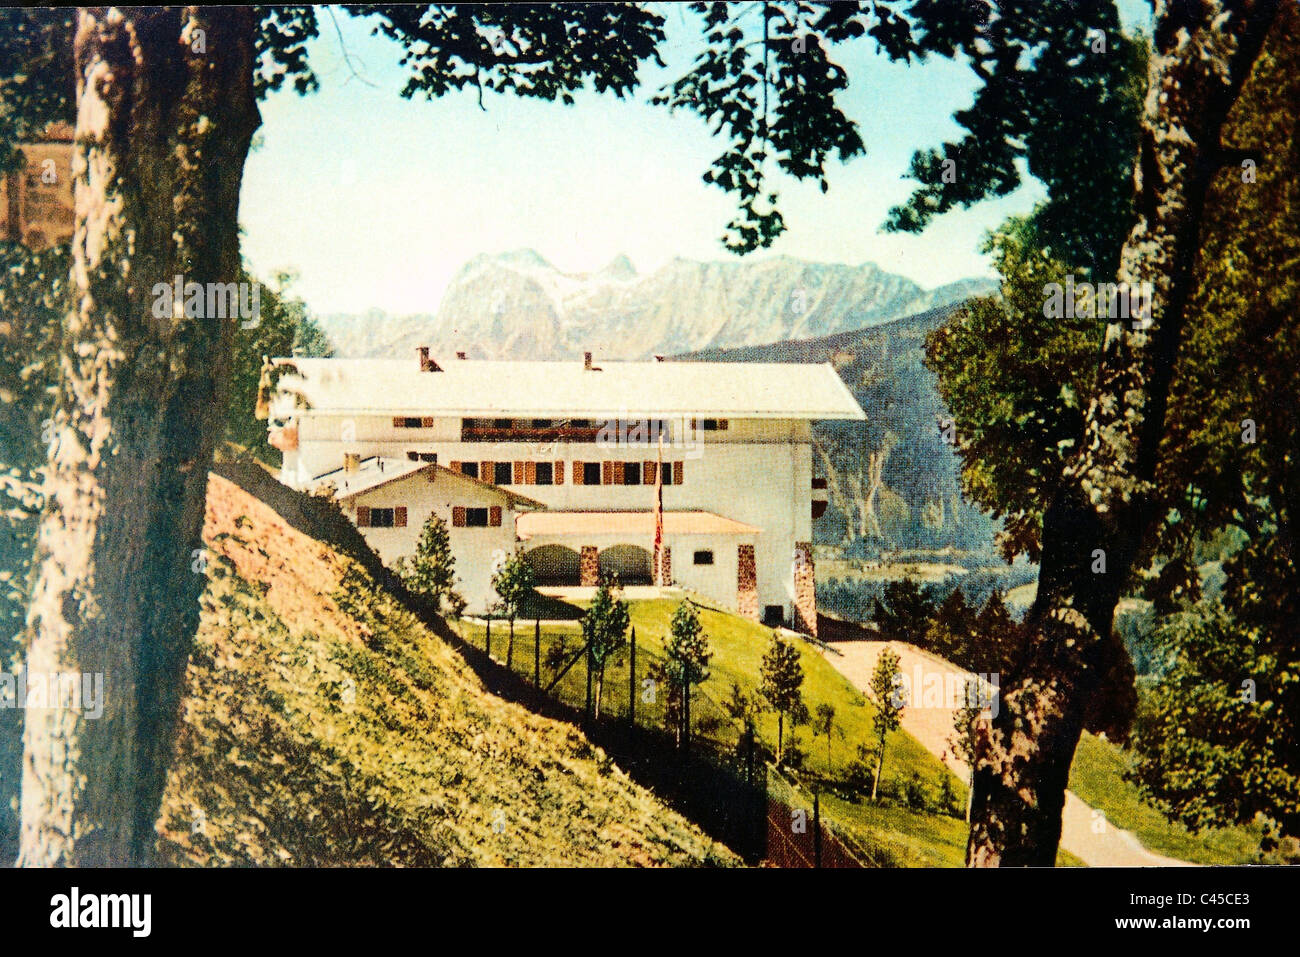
pixel 376 201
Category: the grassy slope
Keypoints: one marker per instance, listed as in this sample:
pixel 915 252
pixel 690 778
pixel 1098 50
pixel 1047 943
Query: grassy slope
pixel 1097 776
pixel 907 837
pixel 325 724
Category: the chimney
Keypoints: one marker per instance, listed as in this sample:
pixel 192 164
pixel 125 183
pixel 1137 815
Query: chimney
pixel 427 364
pixel 586 360
pixel 461 355
pixel 658 357
pixel 351 462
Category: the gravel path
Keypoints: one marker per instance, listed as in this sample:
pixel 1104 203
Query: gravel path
pixel 930 722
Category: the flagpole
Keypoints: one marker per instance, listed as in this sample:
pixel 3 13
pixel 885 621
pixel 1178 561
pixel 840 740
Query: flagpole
pixel 659 513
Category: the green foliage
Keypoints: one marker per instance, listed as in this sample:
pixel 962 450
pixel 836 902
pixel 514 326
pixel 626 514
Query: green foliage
pixel 688 649
pixel 1214 736
pixel 514 582
pixel 1014 382
pixel 1045 89
pixel 605 623
pixel 780 678
pixel 285 329
pixel 431 571
pixel 904 612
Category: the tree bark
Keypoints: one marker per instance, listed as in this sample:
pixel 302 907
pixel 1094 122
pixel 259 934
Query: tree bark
pixel 1202 53
pixel 165 113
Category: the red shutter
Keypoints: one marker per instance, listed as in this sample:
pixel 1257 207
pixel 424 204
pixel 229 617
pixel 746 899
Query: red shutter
pixel 427 422
pixel 618 473
pixel 494 515
pixel 458 516
pixel 558 472
pixel 454 466
pixel 650 469
pixel 486 473
pixel 399 517
pixel 363 516
pixel 519 473
pixel 677 473
pixel 398 421
pixel 577 473
pixel 606 473
pixel 530 473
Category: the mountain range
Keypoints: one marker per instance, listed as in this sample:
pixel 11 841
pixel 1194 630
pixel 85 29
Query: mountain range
pixel 518 305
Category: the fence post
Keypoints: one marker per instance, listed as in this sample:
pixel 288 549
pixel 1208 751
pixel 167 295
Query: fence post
pixel 586 714
pixel 537 654
pixel 631 687
pixel 817 829
pixel 686 709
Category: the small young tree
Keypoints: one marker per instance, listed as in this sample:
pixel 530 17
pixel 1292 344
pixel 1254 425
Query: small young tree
pixel 826 724
pixel 780 676
pixel 688 660
pixel 431 571
pixel 887 690
pixel 604 628
pixel 513 582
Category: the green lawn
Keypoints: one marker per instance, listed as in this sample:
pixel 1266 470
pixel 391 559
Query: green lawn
pixel 910 838
pixel 1097 776
pixel 907 837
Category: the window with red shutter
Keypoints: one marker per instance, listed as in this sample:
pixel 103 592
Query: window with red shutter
pixel 530 473
pixel 399 517
pixel 677 473
pixel 607 473
pixel 426 422
pixel 458 516
pixel 363 516
pixel 486 472
pixel 649 474
pixel 559 473
pixel 577 473
pixel 454 466
pixel 494 516
pixel 519 473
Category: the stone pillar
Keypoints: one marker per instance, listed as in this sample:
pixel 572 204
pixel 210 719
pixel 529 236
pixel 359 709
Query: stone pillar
pixel 746 583
pixel 805 590
pixel 589 566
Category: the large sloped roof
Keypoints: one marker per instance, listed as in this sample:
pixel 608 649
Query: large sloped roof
pixel 471 387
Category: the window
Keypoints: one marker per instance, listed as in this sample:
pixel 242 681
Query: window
pixel 413 456
pixel 541 423
pixel 469 468
pixel 704 557
pixel 545 473
pixel 502 473
pixel 476 517
pixel 381 518
pixel 715 425
pixel 429 457
pixel 590 473
pixel 631 473
pixel 501 423
pixel 668 473
pixel 773 615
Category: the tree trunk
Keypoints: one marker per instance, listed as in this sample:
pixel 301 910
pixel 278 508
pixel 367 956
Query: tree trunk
pixel 510 646
pixel 600 686
pixel 780 733
pixel 1199 61
pixel 165 113
pixel 880 766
